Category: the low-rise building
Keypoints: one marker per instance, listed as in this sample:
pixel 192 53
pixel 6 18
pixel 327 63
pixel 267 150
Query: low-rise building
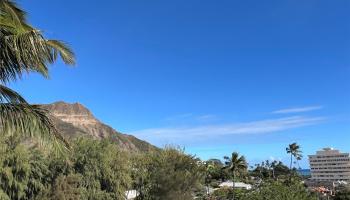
pixel 131 194
pixel 237 185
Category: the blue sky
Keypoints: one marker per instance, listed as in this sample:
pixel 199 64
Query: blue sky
pixel 212 76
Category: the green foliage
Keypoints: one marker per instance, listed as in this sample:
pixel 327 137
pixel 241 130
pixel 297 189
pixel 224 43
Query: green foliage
pixel 169 174
pixel 227 193
pixel 281 170
pixel 4 196
pixel 23 49
pixel 65 188
pixel 103 167
pixel 216 171
pixel 271 170
pixel 93 170
pixel 277 190
pixel 14 173
pixel 236 165
pixel 295 152
pixel 39 176
pixel 222 193
pixel 342 194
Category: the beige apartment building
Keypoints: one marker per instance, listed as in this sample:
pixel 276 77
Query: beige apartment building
pixel 330 165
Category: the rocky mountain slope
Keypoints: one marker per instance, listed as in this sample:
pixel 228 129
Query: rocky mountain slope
pixel 74 120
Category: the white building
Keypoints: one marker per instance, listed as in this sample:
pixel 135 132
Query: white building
pixel 237 185
pixel 330 165
pixel 131 194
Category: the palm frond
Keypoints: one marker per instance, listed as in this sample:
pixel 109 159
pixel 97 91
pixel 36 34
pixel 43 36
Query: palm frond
pixel 18 117
pixel 58 47
pixel 9 96
pixel 10 10
pixel 23 52
pixel 28 51
pixel 29 121
pixel 24 49
pixel 235 162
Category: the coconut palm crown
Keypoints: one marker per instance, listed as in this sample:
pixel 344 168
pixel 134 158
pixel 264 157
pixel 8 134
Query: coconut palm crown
pixel 24 49
pixel 294 151
pixel 235 164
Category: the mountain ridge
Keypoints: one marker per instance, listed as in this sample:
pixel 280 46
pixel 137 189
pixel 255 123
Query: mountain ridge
pixel 75 120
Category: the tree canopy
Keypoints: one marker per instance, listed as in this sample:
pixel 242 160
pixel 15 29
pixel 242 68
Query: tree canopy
pixel 24 49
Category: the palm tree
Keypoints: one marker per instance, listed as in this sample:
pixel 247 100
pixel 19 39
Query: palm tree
pixel 235 164
pixel 294 151
pixel 208 175
pixel 23 49
pixel 273 166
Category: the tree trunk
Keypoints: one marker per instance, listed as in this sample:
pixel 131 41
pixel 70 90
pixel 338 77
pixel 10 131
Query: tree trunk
pixel 233 186
pixel 208 189
pixel 290 168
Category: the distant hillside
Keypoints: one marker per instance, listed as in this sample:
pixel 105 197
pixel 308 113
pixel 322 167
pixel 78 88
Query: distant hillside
pixel 74 120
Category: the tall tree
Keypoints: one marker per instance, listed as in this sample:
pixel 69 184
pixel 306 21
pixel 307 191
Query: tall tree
pixel 209 170
pixel 172 174
pixel 295 152
pixel 273 166
pixel 235 164
pixel 24 49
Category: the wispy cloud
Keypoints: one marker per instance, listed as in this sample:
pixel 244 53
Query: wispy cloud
pixel 208 117
pixel 297 110
pixel 191 118
pixel 172 134
pixel 179 117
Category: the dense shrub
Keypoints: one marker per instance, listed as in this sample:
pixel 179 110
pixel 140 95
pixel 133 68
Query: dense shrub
pixel 227 193
pixel 90 170
pixel 343 193
pixel 169 174
pixel 277 190
pixel 99 170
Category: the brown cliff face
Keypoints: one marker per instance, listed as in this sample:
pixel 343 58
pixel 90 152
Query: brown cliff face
pixel 74 120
